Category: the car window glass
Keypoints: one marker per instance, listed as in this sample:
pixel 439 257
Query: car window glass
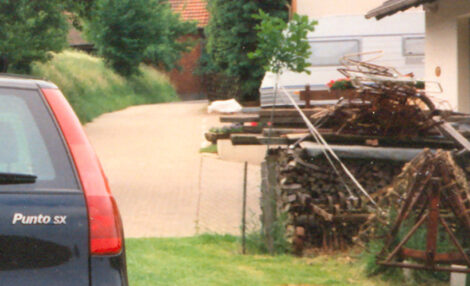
pixel 30 142
pixel 22 147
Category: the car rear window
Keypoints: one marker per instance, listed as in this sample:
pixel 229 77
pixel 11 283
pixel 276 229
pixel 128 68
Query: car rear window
pixel 30 142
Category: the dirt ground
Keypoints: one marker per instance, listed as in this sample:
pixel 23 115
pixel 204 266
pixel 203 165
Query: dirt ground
pixel 163 185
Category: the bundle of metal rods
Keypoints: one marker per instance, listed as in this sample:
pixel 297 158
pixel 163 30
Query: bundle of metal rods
pixel 386 104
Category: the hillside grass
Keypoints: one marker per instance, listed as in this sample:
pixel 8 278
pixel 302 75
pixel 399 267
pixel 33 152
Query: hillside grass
pixel 93 89
pixel 216 260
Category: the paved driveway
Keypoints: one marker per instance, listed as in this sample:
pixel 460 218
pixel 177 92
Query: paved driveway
pixel 163 186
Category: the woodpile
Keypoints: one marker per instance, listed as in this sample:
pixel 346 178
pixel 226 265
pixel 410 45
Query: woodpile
pixel 323 207
pixel 322 213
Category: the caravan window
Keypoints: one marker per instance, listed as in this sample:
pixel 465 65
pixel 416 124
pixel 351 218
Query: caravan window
pixel 329 53
pixel 413 46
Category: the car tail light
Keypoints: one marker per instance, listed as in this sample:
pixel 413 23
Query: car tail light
pixel 104 220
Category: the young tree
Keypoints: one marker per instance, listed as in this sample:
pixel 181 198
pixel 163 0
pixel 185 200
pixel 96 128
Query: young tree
pixel 283 45
pixel 29 30
pixel 231 35
pixel 127 32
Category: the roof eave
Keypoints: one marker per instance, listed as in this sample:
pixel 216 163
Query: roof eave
pixel 391 7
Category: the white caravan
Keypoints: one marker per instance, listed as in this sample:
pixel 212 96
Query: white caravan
pixel 400 38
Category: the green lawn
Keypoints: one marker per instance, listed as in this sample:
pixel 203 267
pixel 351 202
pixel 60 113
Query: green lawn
pixel 216 260
pixel 209 149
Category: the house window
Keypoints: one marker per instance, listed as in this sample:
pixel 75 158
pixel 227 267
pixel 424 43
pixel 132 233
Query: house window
pixel 413 46
pixel 329 53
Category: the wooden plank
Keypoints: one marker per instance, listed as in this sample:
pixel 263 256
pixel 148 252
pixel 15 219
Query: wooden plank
pixel 318 95
pixel 349 139
pixel 453 134
pixel 250 139
pixel 285 112
pixel 390 141
pixel 244 139
pixel 283 131
pixel 239 118
pixel 252 129
pixel 459 118
pixel 341 139
pixel 276 140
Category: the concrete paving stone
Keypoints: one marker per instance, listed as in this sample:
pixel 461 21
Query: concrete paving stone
pixel 151 156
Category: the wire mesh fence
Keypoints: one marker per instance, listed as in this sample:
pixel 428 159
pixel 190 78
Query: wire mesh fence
pixel 220 200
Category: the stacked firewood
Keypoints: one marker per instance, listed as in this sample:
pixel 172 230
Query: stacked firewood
pixel 323 210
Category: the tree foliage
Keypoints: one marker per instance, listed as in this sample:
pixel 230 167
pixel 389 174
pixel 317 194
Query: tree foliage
pixel 80 8
pixel 231 36
pixel 283 46
pixel 127 32
pixel 29 30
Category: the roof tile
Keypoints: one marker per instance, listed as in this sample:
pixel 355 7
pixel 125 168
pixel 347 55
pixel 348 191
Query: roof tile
pixel 192 10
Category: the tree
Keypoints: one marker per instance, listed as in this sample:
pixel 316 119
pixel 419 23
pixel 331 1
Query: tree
pixel 281 45
pixel 231 36
pixel 81 8
pixel 127 32
pixel 29 30
pixel 79 11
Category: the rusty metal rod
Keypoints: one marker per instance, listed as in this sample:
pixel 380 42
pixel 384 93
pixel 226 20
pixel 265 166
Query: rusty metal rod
pixel 454 240
pixel 406 238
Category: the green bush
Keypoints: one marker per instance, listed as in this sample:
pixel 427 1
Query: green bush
pixel 93 89
pixel 231 36
pixel 29 30
pixel 127 32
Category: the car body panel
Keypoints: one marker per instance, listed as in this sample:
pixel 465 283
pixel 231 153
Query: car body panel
pixel 45 226
pixel 50 253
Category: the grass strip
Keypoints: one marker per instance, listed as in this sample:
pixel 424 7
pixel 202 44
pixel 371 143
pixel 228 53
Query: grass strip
pixel 93 89
pixel 216 260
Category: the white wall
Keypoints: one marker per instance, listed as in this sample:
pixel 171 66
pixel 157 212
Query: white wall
pixel 358 25
pixel 448 48
pixel 320 8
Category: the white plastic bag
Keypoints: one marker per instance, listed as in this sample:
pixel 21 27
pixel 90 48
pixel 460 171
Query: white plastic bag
pixel 224 106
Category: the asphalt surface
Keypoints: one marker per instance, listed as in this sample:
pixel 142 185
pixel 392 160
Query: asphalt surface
pixel 164 187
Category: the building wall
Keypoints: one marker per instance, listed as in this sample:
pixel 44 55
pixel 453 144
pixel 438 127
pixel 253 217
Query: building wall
pixel 448 50
pixel 187 84
pixel 319 8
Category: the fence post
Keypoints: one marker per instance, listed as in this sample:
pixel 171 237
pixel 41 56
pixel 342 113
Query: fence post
pixel 244 209
pixel 199 190
pixel 268 199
